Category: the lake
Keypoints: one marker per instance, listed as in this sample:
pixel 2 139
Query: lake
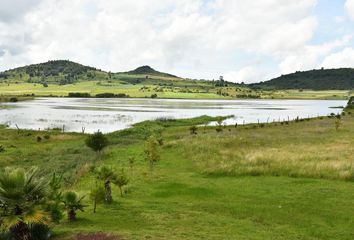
pixel 108 115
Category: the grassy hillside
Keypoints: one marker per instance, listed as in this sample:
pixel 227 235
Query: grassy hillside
pixel 272 181
pixel 59 78
pixel 324 79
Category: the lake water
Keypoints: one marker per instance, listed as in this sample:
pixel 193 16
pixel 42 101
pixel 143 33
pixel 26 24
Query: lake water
pixel 108 115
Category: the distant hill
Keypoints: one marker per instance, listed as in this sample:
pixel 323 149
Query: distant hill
pixel 147 70
pixel 58 71
pixel 64 72
pixel 324 79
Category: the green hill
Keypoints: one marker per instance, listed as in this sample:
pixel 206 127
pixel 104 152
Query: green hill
pixel 324 79
pixel 64 72
pixel 57 72
pixel 147 70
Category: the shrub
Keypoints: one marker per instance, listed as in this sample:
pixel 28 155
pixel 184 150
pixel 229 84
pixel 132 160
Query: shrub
pixel 79 95
pixel 13 99
pixel 121 180
pixel 97 142
pixel 151 152
pixel 111 95
pixel 193 130
pixel 153 95
pixel 97 196
pixel 39 139
pixel 2 148
pixel 47 136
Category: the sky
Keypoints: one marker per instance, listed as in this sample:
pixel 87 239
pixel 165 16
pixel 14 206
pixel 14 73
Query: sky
pixel 244 41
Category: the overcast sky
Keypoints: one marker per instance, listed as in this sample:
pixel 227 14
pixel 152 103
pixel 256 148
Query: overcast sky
pixel 243 40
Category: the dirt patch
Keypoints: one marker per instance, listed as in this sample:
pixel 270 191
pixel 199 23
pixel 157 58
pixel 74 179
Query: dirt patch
pixel 96 236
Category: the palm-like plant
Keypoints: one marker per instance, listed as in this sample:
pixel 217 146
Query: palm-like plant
pixel 107 175
pixel 22 194
pixel 72 203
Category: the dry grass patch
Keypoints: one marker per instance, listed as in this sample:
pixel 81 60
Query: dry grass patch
pixel 310 149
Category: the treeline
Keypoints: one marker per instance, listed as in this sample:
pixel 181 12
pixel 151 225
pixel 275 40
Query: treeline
pixel 323 79
pixel 99 95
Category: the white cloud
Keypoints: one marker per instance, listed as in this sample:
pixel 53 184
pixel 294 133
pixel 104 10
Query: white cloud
pixel 342 59
pixel 349 5
pixel 309 56
pixel 192 38
pixel 248 74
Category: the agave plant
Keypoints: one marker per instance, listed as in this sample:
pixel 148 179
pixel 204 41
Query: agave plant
pixel 22 195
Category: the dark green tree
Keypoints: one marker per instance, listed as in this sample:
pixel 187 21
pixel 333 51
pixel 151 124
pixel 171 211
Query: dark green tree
pixel 97 142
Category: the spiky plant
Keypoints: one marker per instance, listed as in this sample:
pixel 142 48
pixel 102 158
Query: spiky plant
pixel 22 196
pixel 73 203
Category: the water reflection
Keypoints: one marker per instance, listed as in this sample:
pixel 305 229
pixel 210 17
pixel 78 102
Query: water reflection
pixel 110 115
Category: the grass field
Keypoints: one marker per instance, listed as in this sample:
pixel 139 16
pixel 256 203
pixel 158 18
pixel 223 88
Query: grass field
pixel 279 181
pixel 180 89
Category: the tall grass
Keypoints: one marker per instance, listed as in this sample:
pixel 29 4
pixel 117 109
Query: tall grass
pixel 305 149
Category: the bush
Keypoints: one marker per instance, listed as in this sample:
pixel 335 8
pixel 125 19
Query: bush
pixel 111 95
pixel 97 141
pixel 2 148
pixel 13 99
pixel 193 130
pixel 47 137
pixel 79 95
pixel 153 95
pixel 39 139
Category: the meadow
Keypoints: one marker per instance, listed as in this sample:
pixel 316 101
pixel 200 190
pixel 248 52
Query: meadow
pixel 163 89
pixel 263 181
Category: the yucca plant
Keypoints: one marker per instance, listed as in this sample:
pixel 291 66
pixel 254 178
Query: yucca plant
pixel 73 203
pixel 22 195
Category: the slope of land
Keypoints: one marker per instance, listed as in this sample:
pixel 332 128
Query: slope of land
pixel 61 77
pixel 147 70
pixel 324 79
pixel 273 181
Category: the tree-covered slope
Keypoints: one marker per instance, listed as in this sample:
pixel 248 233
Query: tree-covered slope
pixel 59 71
pixel 64 72
pixel 324 79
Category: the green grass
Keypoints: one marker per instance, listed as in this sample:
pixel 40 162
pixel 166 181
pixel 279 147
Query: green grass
pixel 163 89
pixel 205 186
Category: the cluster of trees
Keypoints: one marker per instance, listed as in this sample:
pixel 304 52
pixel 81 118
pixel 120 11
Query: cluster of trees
pixel 323 79
pixel 99 95
pixel 111 95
